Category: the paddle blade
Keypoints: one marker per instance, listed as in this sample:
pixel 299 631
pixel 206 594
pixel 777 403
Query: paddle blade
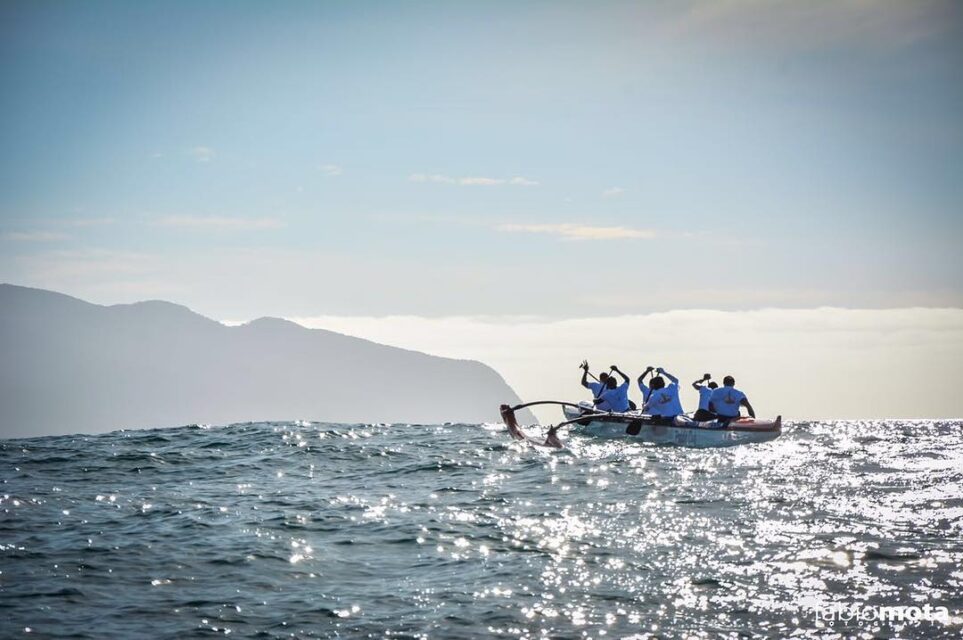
pixel 634 427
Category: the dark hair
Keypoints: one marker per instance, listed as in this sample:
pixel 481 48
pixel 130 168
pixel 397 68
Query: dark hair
pixel 729 381
pixel 713 385
pixel 657 383
pixel 611 382
pixel 603 377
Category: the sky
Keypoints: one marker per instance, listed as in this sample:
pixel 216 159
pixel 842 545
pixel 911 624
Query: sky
pixel 444 161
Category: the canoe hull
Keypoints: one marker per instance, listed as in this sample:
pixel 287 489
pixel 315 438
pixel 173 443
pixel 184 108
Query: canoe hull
pixel 683 431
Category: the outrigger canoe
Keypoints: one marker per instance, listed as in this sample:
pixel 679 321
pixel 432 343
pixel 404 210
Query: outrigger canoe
pixel 681 431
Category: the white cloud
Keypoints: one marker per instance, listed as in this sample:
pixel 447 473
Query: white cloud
pixel 523 182
pixel 330 170
pixel 613 192
pixel 570 231
pixel 33 236
pixel 470 181
pixel 202 154
pixel 218 222
pixel 480 181
pixel 801 363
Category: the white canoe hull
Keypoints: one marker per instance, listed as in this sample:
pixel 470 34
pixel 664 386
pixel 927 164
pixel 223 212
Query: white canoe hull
pixel 683 431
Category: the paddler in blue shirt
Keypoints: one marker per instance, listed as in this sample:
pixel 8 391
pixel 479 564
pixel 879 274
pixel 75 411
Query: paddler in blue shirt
pixel 595 387
pixel 661 400
pixel 615 396
pixel 704 413
pixel 726 400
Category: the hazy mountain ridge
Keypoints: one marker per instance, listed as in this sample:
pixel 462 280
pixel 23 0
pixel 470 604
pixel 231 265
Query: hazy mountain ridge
pixel 71 366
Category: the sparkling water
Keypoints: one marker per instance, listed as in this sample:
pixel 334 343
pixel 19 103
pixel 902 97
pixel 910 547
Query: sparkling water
pixel 280 530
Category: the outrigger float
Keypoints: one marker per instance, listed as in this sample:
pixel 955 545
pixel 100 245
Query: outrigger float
pixel 682 430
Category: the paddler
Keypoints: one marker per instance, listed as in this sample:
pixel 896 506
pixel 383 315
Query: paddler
pixel 661 400
pixel 726 400
pixel 704 412
pixel 615 396
pixel 595 387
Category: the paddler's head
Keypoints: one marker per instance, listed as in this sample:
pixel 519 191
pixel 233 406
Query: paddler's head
pixel 729 381
pixel 658 382
pixel 610 382
pixel 603 377
pixel 713 385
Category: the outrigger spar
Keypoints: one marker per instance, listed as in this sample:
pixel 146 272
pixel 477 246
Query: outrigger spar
pixel 551 439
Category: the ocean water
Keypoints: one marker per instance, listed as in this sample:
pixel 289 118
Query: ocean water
pixel 310 530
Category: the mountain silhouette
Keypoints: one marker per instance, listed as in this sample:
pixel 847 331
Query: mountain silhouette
pixel 69 366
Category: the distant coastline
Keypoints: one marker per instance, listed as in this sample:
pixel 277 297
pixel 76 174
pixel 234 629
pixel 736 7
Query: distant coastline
pixel 70 366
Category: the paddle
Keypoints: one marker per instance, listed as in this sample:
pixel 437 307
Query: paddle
pixel 635 427
pixel 583 367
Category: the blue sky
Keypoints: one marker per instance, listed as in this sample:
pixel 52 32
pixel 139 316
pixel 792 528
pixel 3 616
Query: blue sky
pixel 551 159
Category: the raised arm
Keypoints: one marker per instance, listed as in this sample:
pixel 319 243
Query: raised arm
pixel 584 367
pixel 698 383
pixel 642 387
pixel 647 371
pixel 668 375
pixel 625 378
pixel 745 403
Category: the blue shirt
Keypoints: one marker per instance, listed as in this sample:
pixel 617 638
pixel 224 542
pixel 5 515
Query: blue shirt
pixel 726 401
pixel 664 402
pixel 616 399
pixel 705 394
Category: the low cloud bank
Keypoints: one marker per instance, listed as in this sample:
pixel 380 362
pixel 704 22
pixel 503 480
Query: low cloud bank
pixel 803 363
pixel 570 231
